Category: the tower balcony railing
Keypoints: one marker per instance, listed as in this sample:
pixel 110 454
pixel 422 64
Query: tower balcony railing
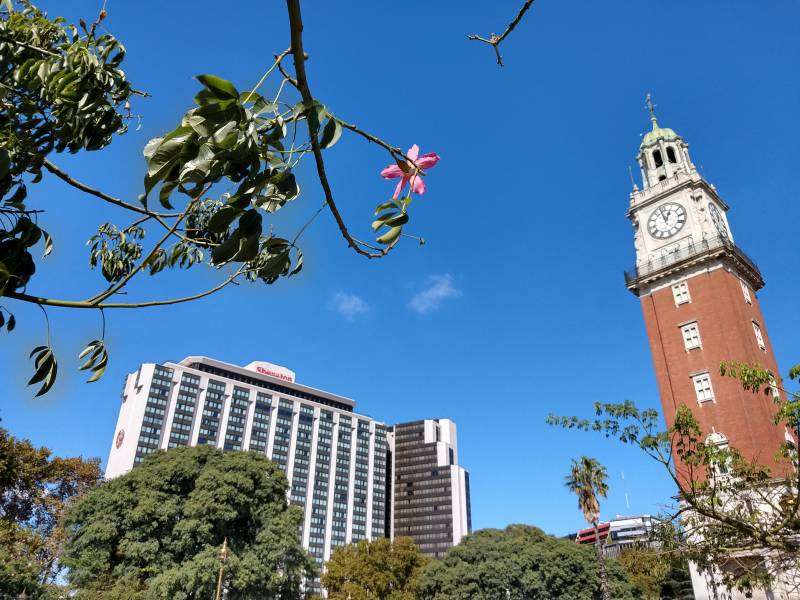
pixel 686 252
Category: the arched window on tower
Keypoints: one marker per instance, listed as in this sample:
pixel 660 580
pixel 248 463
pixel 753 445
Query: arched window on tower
pixel 671 155
pixel 720 459
pixel 657 159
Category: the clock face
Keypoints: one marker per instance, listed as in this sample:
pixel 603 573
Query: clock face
pixel 716 217
pixel 667 220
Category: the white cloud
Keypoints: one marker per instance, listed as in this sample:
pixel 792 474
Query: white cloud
pixel 439 289
pixel 348 305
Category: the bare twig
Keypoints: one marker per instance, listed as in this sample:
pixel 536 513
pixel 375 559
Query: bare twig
pixel 393 150
pixel 495 40
pixel 278 59
pixel 286 75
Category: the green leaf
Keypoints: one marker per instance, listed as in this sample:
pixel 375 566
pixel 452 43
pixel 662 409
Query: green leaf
pixel 5 164
pixel 400 219
pixel 226 250
pixel 46 369
pixel 250 223
pixel 222 219
pixel 221 88
pixel 330 133
pixel 377 223
pixel 48 243
pixel 165 155
pixel 298 265
pixel 164 193
pixel 97 359
pixel 390 236
pixel 385 205
pixel 199 124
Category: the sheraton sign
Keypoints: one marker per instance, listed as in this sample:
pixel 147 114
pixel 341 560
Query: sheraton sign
pixel 276 371
pixel 271 373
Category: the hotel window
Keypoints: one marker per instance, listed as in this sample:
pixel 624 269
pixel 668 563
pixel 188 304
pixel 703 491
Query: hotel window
pixel 702 387
pixel 691 336
pixel 746 292
pixel 759 336
pixel 680 292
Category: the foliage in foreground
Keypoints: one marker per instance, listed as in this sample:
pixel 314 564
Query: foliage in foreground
pixel 517 563
pixel 156 532
pixel 656 574
pixel 210 184
pixel 35 489
pixel 734 517
pixel 376 570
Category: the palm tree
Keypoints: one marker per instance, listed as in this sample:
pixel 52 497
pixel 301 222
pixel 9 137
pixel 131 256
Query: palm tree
pixel 587 480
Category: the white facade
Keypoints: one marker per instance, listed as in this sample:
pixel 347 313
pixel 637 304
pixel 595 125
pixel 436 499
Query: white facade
pixel 334 459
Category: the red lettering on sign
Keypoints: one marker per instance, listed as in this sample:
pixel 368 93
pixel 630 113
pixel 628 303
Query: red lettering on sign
pixel 275 374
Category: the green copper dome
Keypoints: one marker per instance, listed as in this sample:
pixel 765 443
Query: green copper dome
pixel 658 133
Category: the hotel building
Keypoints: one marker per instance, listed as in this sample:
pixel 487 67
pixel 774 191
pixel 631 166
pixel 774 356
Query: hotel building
pixel 337 461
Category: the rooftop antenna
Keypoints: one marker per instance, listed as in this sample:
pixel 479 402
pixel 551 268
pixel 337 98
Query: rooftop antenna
pixel 624 487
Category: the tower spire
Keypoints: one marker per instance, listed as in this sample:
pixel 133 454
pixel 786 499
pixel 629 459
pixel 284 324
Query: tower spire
pixel 652 109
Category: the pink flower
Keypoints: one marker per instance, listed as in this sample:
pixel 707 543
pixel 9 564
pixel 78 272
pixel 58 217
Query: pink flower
pixel 411 173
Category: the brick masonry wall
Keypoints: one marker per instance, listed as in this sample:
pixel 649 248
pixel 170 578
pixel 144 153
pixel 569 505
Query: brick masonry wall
pixel 724 320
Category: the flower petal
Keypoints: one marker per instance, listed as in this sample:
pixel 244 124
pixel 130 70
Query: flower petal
pixel 426 161
pixel 417 185
pixel 392 172
pixel 400 185
pixel 413 152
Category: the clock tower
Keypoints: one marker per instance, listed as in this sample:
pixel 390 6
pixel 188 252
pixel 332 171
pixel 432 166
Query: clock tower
pixel 698 294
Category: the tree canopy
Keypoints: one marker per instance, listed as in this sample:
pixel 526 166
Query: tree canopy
pixel 517 563
pixel 35 488
pixel 374 570
pixel 157 531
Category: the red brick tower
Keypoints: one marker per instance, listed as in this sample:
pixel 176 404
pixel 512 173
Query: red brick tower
pixel 698 294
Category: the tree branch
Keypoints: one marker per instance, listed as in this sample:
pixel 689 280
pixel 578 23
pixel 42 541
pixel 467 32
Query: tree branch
pixel 495 40
pixel 298 54
pixel 87 304
pixel 102 195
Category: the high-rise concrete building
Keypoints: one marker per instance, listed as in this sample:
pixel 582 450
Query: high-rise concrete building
pixel 336 460
pixel 430 502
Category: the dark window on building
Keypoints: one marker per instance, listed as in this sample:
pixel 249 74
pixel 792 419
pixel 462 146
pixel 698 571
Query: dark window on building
pixel 657 159
pixel 671 155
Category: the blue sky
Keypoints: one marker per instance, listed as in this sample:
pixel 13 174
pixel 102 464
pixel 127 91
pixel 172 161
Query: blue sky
pixel 516 306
